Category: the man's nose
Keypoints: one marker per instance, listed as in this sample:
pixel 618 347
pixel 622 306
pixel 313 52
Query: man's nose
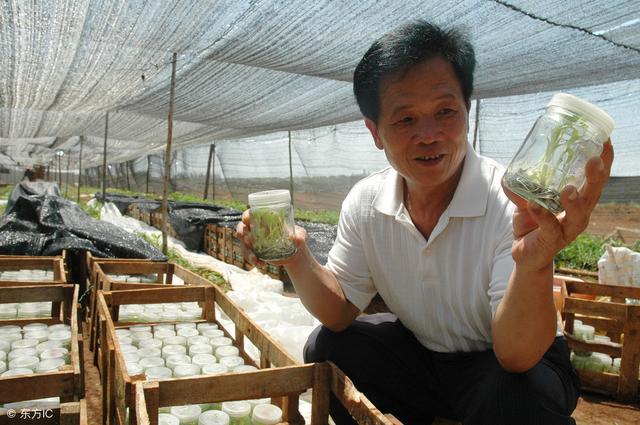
pixel 427 130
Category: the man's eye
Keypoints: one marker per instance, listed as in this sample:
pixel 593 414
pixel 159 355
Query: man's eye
pixel 405 120
pixel 446 112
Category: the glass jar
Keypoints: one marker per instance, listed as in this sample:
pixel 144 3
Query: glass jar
pixel 272 224
pixel 556 150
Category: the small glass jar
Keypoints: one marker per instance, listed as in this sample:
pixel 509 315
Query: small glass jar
pixel 266 414
pixel 272 224
pixel 239 412
pixel 556 150
pixel 188 415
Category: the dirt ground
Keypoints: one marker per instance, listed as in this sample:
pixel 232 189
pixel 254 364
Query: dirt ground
pixel 616 219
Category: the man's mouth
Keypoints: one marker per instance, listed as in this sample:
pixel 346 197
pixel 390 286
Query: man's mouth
pixel 430 158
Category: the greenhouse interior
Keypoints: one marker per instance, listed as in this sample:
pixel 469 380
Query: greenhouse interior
pixel 133 132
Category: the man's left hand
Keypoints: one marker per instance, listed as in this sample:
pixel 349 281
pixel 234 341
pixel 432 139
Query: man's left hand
pixel 539 234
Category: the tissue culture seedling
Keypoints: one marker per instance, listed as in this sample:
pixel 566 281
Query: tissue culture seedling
pixel 271 234
pixel 554 169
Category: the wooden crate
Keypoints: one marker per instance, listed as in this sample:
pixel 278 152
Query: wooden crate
pixel 237 256
pixel 18 262
pixel 220 242
pixel 100 280
pixel 322 378
pixel 70 413
pixel 66 383
pixel 210 239
pixel 133 210
pixel 118 384
pixel 619 320
pixel 228 244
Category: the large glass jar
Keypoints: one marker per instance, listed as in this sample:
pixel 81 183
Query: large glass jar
pixel 556 150
pixel 272 224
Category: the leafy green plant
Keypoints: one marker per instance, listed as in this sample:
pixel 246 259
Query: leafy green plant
pixel 586 250
pixel 539 182
pixel 271 234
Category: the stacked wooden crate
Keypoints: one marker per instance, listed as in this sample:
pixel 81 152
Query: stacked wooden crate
pixel 323 378
pixel 66 382
pixel 605 308
pixel 118 384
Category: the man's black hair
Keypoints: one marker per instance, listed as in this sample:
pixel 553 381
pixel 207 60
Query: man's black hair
pixel 404 47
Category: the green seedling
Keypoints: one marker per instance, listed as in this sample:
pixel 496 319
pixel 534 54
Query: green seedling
pixel 554 169
pixel 271 234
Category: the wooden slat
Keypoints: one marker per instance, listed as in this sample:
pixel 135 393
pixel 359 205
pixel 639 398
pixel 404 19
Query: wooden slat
pixel 36 293
pixel 596 308
pixel 154 296
pixel 70 413
pixel 236 386
pixel 599 382
pixel 358 406
pixel 601 289
pixel 135 267
pixel 612 348
pixel 628 384
pixel 321 395
pixel 37 385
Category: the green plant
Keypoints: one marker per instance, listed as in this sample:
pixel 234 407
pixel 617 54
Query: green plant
pixel 176 258
pixel 552 171
pixel 271 234
pixel 586 250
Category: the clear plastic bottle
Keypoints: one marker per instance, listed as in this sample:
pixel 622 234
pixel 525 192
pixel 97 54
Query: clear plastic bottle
pixel 272 224
pixel 266 414
pixel 239 412
pixel 556 150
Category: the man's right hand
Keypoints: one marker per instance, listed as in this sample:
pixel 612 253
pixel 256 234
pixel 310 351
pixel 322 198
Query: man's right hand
pixel 243 232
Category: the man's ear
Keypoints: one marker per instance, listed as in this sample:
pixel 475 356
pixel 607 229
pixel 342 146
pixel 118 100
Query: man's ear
pixel 373 129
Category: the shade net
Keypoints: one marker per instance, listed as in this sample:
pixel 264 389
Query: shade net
pixel 249 72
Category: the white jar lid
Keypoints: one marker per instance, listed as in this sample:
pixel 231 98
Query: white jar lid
pixel 214 369
pixel 150 343
pixel 46 345
pixel 212 333
pixel 177 359
pixel 22 352
pixel 50 365
pixel 55 353
pixel 189 325
pixel 167 419
pixel 170 350
pixel 581 107
pixel 35 326
pixel 182 370
pixel 203 359
pixel 188 332
pixel 134 369
pixel 158 373
pixel 267 414
pixel 227 351
pixel 236 409
pixel 17 371
pixel 213 417
pixel 187 414
pixel 175 340
pixel 207 325
pixel 27 362
pixel 149 352
pixel 221 341
pixel 197 340
pixel 268 197
pixel 200 349
pixel 24 343
pixel 231 361
pixel 149 362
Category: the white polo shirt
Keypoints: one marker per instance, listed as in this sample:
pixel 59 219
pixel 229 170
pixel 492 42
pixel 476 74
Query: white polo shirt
pixel 447 289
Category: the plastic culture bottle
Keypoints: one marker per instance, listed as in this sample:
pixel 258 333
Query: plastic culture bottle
pixel 272 224
pixel 157 373
pixel 167 419
pixel 213 417
pixel 188 415
pixel 239 412
pixel 266 414
pixel 556 150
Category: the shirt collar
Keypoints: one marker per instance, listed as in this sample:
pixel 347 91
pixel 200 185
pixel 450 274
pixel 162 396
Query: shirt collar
pixel 470 199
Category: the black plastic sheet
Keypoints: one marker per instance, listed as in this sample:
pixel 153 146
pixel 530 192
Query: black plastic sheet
pixel 27 188
pixel 46 225
pixel 321 238
pixel 190 220
pixel 122 202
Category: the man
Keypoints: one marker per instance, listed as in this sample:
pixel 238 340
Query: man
pixel 467 274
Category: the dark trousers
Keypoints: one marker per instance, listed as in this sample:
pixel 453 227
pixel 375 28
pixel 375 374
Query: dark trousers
pixel 400 376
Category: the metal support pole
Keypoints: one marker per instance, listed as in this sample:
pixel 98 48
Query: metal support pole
pixel 148 171
pixel 206 179
pixel 290 170
pixel 80 169
pixel 66 178
pixel 104 159
pixel 213 173
pixel 126 170
pixel 476 129
pixel 59 172
pixel 167 156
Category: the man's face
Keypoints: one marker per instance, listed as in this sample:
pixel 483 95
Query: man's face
pixel 423 123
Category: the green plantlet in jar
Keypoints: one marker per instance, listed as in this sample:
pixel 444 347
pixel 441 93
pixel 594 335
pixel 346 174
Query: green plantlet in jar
pixel 270 234
pixel 537 182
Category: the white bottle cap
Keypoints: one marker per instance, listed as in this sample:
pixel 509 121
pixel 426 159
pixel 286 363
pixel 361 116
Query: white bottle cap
pixel 200 349
pixel 236 409
pixel 177 359
pixel 183 370
pixel 158 373
pixel 266 414
pixel 167 419
pixel 50 365
pixel 267 197
pixel 581 107
pixel 227 351
pixel 203 359
pixel 149 362
pixel 214 369
pixel 213 417
pixel 187 414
